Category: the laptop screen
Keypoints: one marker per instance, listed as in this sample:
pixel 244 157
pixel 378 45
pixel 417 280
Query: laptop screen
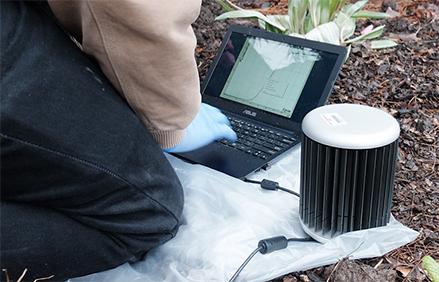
pixel 269 75
pixel 275 81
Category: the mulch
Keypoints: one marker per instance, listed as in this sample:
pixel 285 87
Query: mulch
pixel 402 81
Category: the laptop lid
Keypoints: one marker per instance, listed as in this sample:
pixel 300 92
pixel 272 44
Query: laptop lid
pixel 271 78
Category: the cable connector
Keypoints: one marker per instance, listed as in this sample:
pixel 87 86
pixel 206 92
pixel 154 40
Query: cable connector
pixel 267 246
pixel 269 185
pixel 270 245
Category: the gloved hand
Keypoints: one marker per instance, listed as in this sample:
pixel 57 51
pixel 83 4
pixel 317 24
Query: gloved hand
pixel 209 125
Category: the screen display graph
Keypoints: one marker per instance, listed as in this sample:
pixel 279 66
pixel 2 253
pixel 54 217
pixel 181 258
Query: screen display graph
pixel 269 75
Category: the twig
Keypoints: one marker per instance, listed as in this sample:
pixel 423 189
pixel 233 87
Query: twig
pixel 22 275
pixel 346 257
pixel 333 270
pixel 5 271
pixel 411 206
pixel 44 278
pixel 361 267
pixel 422 42
pixel 378 264
pixel 414 267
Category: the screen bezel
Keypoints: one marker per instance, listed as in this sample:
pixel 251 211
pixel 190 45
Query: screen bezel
pixel 261 115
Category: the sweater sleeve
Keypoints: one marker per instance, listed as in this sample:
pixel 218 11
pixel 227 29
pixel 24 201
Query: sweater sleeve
pixel 146 49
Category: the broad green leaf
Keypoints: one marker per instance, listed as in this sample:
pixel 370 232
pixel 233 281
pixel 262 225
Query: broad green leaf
pixel 307 25
pixel 297 12
pixel 268 27
pixel 374 33
pixel 228 6
pixel 315 11
pixel 336 5
pixel 262 24
pixel 282 20
pixel 346 25
pixel 431 267
pixel 325 11
pixel 353 8
pixel 249 14
pixel 384 43
pixel 296 35
pixel 324 16
pixel 327 32
pixel 371 15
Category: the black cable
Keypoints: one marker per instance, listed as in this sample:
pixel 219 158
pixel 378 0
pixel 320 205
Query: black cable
pixel 289 191
pixel 244 264
pixel 251 181
pixel 309 239
pixel 271 185
pixel 267 246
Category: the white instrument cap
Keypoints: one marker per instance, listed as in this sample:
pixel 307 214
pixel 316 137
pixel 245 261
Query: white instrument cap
pixel 351 126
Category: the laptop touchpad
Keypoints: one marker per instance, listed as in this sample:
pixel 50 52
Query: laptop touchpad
pixel 225 159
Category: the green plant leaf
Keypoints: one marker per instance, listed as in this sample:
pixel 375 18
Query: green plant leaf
pixel 262 24
pixel 327 32
pixel 315 11
pixel 346 25
pixel 371 15
pixel 330 21
pixel 384 43
pixel 353 8
pixel 228 6
pixel 431 267
pixel 297 12
pixel 249 14
pixel 374 33
pixel 268 27
pixel 325 11
pixel 296 35
pixel 336 5
pixel 282 20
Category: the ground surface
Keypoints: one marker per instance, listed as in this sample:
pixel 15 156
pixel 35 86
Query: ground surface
pixel 404 82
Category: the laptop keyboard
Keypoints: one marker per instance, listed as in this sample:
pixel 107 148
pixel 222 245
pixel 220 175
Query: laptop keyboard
pixel 257 140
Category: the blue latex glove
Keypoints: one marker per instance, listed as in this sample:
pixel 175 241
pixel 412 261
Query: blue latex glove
pixel 209 125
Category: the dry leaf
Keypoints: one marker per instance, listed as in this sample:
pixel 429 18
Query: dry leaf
pixel 404 270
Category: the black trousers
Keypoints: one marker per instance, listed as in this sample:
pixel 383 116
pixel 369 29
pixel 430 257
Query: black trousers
pixel 84 187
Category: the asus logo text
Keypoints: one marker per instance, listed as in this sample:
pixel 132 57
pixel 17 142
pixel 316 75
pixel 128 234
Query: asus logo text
pixel 249 113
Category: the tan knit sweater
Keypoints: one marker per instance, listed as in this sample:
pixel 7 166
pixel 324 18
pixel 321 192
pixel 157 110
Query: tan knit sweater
pixel 146 48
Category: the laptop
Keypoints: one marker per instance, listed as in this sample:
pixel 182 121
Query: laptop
pixel 265 83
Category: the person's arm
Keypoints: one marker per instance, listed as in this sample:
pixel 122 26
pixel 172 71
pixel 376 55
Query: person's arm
pixel 146 48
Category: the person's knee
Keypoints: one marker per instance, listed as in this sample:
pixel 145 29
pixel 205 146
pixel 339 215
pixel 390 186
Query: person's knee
pixel 140 207
pixel 154 218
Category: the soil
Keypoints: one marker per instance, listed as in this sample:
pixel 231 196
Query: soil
pixel 402 81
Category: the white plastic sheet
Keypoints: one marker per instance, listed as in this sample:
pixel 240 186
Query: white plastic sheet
pixel 224 218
